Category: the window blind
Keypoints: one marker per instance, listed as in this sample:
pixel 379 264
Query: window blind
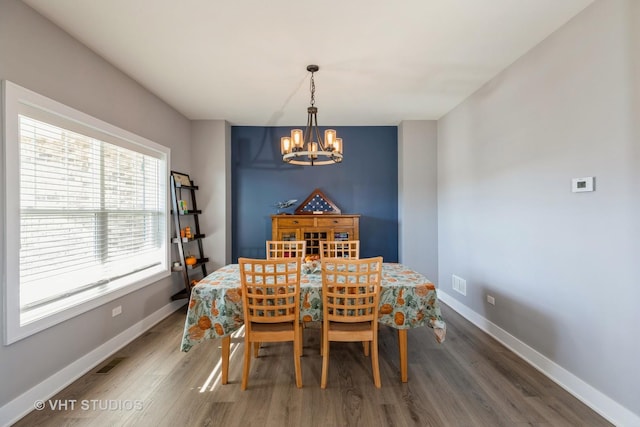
pixel 90 212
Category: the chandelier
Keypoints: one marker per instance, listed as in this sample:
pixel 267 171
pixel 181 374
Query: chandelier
pixel 309 149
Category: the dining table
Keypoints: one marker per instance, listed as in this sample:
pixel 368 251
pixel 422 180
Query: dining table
pixel 407 300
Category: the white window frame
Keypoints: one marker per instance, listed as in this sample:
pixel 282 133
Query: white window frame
pixel 15 100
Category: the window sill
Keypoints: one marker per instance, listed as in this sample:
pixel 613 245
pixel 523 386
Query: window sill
pixel 45 317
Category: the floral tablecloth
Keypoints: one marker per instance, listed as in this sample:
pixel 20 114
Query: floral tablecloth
pixel 407 300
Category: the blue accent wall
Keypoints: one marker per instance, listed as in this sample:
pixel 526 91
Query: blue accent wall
pixel 365 183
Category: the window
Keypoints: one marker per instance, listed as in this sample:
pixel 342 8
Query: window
pixel 86 204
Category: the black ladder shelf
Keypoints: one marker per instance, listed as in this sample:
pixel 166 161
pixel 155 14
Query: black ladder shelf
pixel 185 215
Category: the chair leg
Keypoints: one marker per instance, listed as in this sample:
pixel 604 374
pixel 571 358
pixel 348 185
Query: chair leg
pixel 226 344
pixel 365 345
pixel 256 349
pixel 374 363
pixel 325 358
pixel 301 338
pixel 402 344
pixel 296 357
pixel 247 364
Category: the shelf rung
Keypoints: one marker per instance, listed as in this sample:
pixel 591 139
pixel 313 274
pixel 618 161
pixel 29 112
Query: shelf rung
pixel 187 187
pixel 196 212
pixel 198 263
pixel 186 240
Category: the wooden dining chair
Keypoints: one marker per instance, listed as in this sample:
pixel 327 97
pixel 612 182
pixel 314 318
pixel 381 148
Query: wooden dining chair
pixel 271 305
pixel 350 296
pixel 340 249
pixel 286 249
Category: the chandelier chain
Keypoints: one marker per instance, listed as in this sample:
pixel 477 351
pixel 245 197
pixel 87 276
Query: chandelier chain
pixel 313 91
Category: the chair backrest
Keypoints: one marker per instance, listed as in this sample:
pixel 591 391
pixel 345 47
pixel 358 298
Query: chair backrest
pixel 286 249
pixel 351 289
pixel 340 249
pixel 270 290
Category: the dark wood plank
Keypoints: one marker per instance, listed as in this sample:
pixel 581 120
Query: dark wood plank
pixel 470 380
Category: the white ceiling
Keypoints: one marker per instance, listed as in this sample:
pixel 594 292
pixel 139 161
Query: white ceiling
pixel 381 61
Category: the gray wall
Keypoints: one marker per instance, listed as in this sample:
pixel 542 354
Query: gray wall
pixel 417 196
pixel 39 56
pixel 563 267
pixel 211 171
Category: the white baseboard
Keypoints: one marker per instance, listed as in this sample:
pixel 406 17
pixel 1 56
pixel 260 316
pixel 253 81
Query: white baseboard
pixel 23 404
pixel 596 400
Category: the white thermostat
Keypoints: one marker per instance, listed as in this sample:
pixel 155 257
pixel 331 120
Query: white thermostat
pixel 579 185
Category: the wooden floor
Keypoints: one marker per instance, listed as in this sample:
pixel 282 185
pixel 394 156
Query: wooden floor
pixel 469 380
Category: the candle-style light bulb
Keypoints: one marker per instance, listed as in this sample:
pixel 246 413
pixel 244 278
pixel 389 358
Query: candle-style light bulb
pixel 296 138
pixel 313 148
pixel 285 145
pixel 329 139
pixel 337 145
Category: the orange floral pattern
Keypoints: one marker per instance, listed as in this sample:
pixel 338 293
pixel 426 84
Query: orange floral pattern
pixel 218 328
pixel 422 290
pixel 385 309
pixel 407 300
pixel 305 301
pixel 204 323
pixel 234 295
pixel 195 333
pixel 398 318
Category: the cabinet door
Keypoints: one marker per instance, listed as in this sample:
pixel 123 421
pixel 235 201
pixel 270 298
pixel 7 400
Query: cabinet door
pixel 343 234
pixel 289 234
pixel 313 237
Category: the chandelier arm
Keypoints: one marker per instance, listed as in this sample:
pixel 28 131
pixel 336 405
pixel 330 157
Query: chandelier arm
pixel 307 132
pixel 317 130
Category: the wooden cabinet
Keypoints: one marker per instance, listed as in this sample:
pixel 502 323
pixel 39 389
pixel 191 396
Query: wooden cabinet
pixel 315 228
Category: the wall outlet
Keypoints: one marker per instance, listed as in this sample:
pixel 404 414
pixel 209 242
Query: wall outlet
pixel 116 311
pixel 459 284
pixel 491 300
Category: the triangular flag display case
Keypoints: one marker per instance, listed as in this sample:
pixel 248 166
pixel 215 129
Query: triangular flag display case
pixel 317 203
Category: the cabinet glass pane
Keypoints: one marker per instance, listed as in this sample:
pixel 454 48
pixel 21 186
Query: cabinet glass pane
pixel 289 235
pixel 313 239
pixel 341 235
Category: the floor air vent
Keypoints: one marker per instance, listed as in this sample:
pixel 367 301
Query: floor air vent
pixel 109 366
